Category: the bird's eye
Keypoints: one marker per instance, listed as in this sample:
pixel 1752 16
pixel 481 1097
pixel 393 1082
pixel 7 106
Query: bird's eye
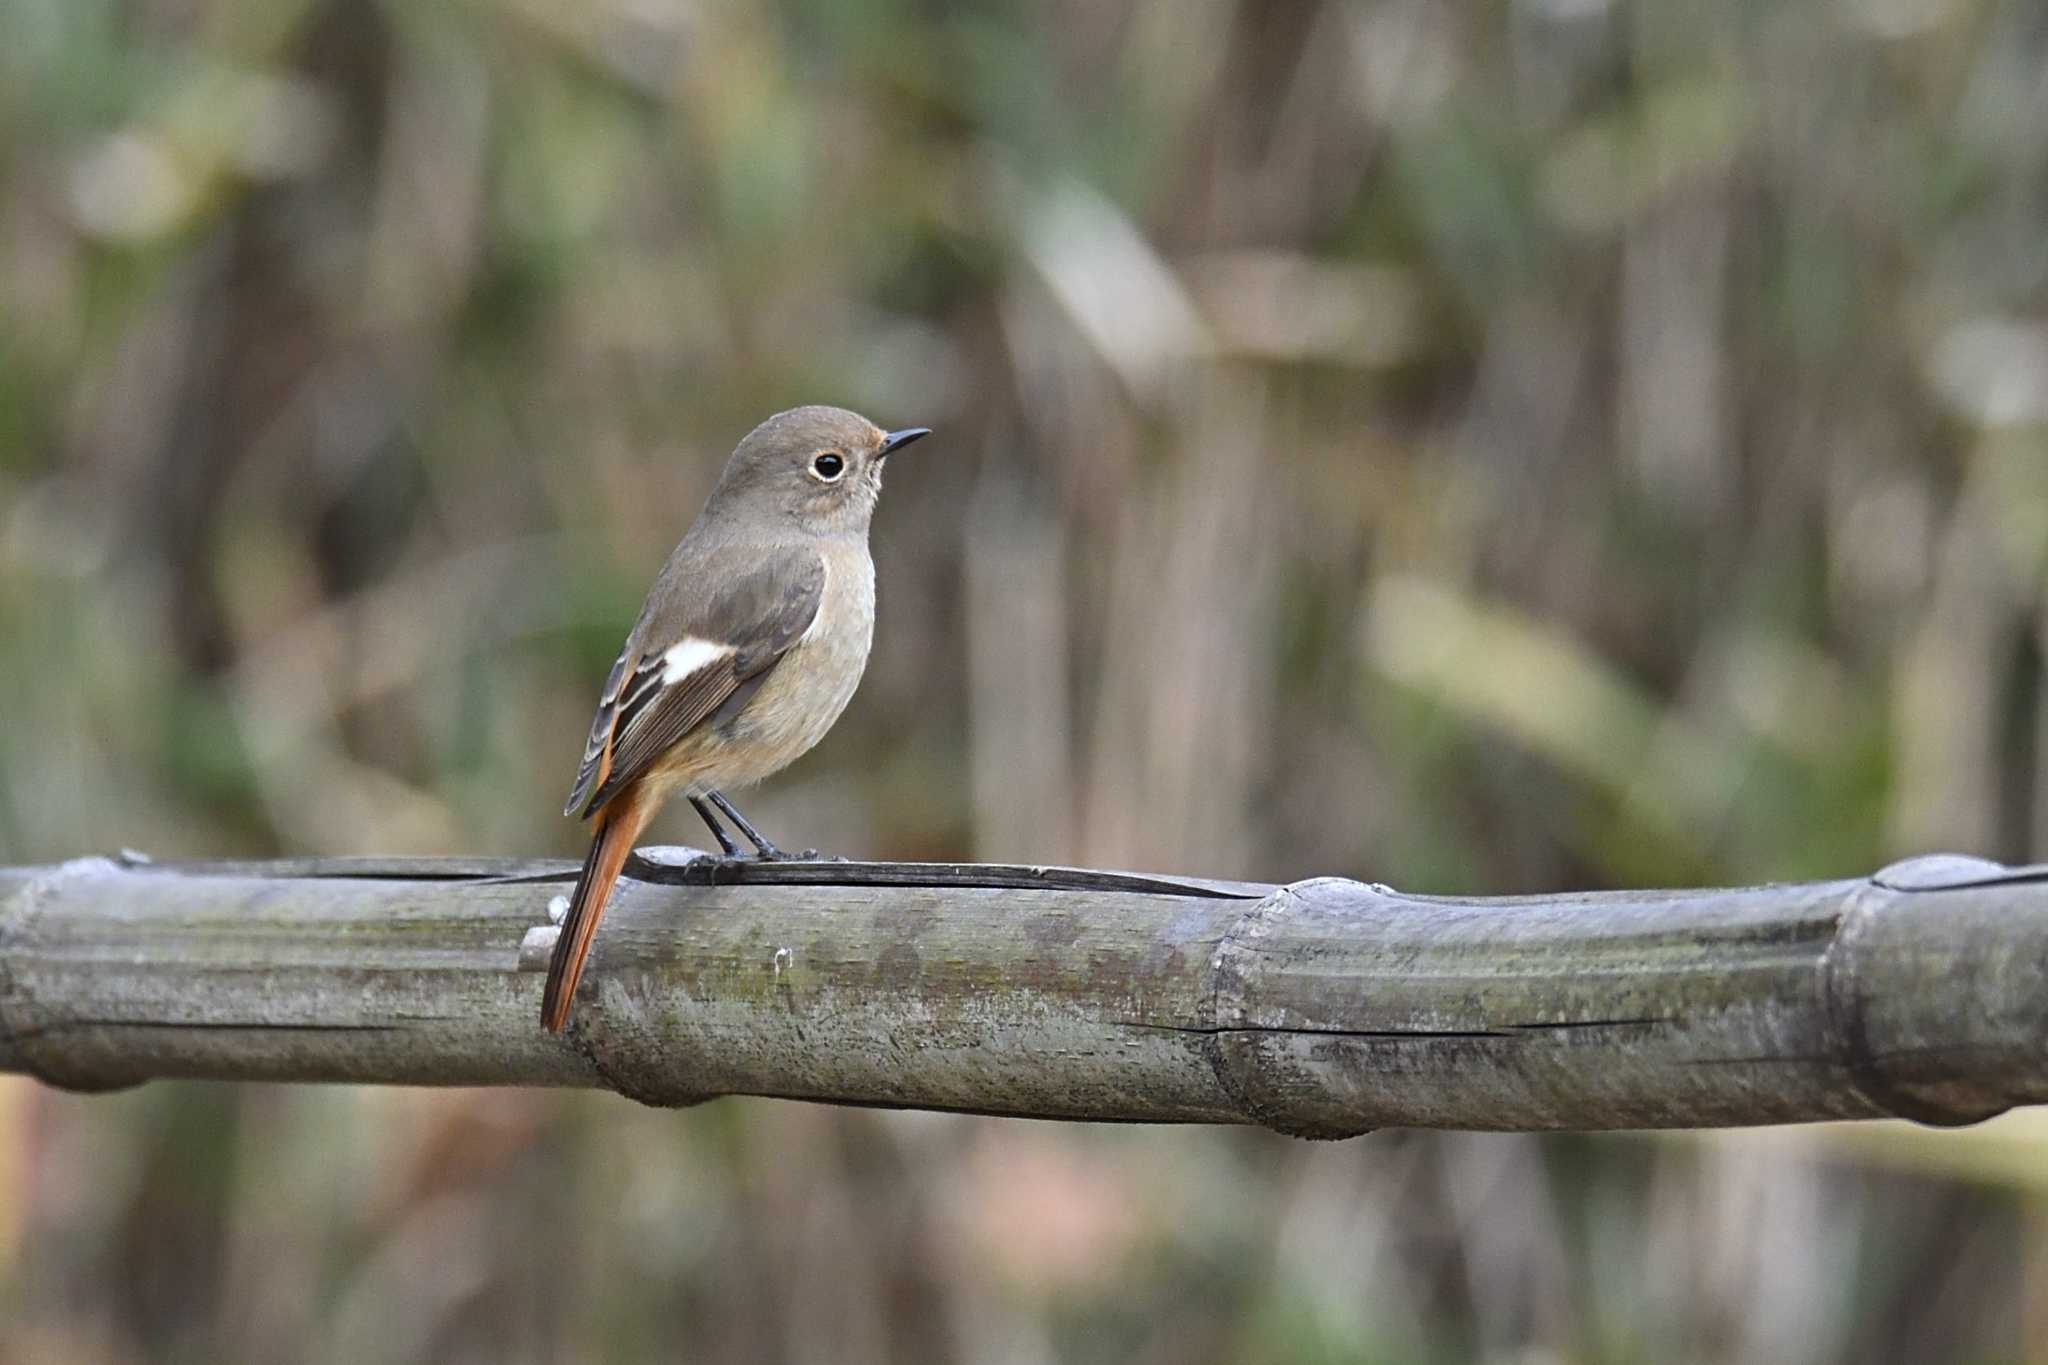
pixel 828 466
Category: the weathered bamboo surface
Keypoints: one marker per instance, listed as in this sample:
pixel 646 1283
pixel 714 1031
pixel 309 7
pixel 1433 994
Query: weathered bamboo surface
pixel 1324 1008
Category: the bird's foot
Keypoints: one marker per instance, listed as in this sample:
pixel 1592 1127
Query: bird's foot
pixel 769 853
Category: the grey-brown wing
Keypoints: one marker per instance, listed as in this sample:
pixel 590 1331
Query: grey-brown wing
pixel 696 645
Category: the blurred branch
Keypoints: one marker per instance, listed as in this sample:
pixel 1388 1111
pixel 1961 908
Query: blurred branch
pixel 1325 1008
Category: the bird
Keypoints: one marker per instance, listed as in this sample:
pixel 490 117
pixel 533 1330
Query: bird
pixel 750 645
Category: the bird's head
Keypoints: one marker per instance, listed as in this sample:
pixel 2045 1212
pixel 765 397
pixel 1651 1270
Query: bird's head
pixel 819 467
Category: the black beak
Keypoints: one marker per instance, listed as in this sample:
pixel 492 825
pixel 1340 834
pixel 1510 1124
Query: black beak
pixel 893 441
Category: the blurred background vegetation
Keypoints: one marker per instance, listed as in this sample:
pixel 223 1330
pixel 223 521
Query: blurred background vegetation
pixel 1479 447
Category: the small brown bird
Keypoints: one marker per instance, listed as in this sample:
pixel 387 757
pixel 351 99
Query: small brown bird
pixel 751 643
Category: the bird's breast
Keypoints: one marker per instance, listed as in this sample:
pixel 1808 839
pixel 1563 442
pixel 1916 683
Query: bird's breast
pixel 808 689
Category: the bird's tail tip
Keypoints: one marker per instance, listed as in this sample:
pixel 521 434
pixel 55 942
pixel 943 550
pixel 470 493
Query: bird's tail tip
pixel 619 824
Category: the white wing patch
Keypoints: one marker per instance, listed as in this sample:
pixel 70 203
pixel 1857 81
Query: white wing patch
pixel 686 657
pixel 824 587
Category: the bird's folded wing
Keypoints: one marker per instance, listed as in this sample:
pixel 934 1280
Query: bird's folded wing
pixel 698 642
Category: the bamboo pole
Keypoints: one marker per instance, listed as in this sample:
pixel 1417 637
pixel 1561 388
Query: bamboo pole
pixel 1325 1008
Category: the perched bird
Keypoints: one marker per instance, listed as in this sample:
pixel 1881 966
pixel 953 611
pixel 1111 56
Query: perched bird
pixel 751 643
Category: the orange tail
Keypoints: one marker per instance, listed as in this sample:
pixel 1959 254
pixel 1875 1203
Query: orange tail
pixel 619 824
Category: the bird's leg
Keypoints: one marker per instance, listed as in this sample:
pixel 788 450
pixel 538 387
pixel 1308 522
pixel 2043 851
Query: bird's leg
pixel 769 851
pixel 732 850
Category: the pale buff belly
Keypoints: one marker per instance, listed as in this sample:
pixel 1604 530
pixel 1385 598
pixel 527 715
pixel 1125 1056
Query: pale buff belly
pixel 797 703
